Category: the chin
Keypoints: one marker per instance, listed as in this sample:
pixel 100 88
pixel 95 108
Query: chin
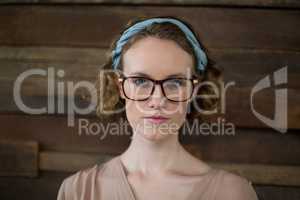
pixel 155 135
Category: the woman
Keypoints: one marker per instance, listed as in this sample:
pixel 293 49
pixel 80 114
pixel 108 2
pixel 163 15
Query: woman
pixel 160 64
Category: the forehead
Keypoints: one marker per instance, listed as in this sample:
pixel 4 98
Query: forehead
pixel 158 58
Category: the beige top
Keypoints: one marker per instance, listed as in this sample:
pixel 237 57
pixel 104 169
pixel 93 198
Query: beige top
pixel 109 181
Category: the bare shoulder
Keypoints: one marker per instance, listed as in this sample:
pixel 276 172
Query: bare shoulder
pixel 234 187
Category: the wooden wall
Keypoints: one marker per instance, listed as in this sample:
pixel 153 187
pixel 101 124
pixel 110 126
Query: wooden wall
pixel 249 40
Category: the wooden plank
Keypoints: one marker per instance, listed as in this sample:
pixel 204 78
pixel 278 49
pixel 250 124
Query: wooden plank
pixel 244 3
pixel 234 62
pixel 97 25
pixel 45 186
pixel 246 146
pixel 18 158
pixel 247 66
pixel 89 56
pixel 276 192
pixel 252 145
pixel 47 129
pixel 257 173
pixel 68 162
pixel 265 174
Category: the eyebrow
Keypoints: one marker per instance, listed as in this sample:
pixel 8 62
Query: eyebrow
pixel 148 76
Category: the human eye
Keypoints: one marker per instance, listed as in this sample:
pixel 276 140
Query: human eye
pixel 179 82
pixel 175 84
pixel 139 81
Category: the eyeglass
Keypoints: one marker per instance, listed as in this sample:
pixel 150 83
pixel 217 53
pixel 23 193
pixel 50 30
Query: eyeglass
pixel 139 88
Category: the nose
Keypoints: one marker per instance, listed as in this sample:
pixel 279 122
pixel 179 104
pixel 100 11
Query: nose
pixel 157 98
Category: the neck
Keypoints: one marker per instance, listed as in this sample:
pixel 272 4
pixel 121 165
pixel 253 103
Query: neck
pixel 151 157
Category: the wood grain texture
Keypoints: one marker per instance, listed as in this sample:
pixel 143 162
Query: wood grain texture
pixel 45 186
pixel 68 162
pixel 244 3
pixel 96 26
pixel 265 174
pixel 246 38
pixel 18 158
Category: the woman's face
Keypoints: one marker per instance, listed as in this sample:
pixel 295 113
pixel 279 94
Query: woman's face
pixel 157 59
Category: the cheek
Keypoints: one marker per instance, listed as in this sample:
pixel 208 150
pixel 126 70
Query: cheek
pixel 178 112
pixel 134 112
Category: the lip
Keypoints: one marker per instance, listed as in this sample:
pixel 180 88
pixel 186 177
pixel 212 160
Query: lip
pixel 157 119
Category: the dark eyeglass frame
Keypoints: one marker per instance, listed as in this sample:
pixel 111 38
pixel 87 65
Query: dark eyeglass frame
pixel 123 78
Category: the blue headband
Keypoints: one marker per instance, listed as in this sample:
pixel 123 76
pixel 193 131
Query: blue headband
pixel 127 34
